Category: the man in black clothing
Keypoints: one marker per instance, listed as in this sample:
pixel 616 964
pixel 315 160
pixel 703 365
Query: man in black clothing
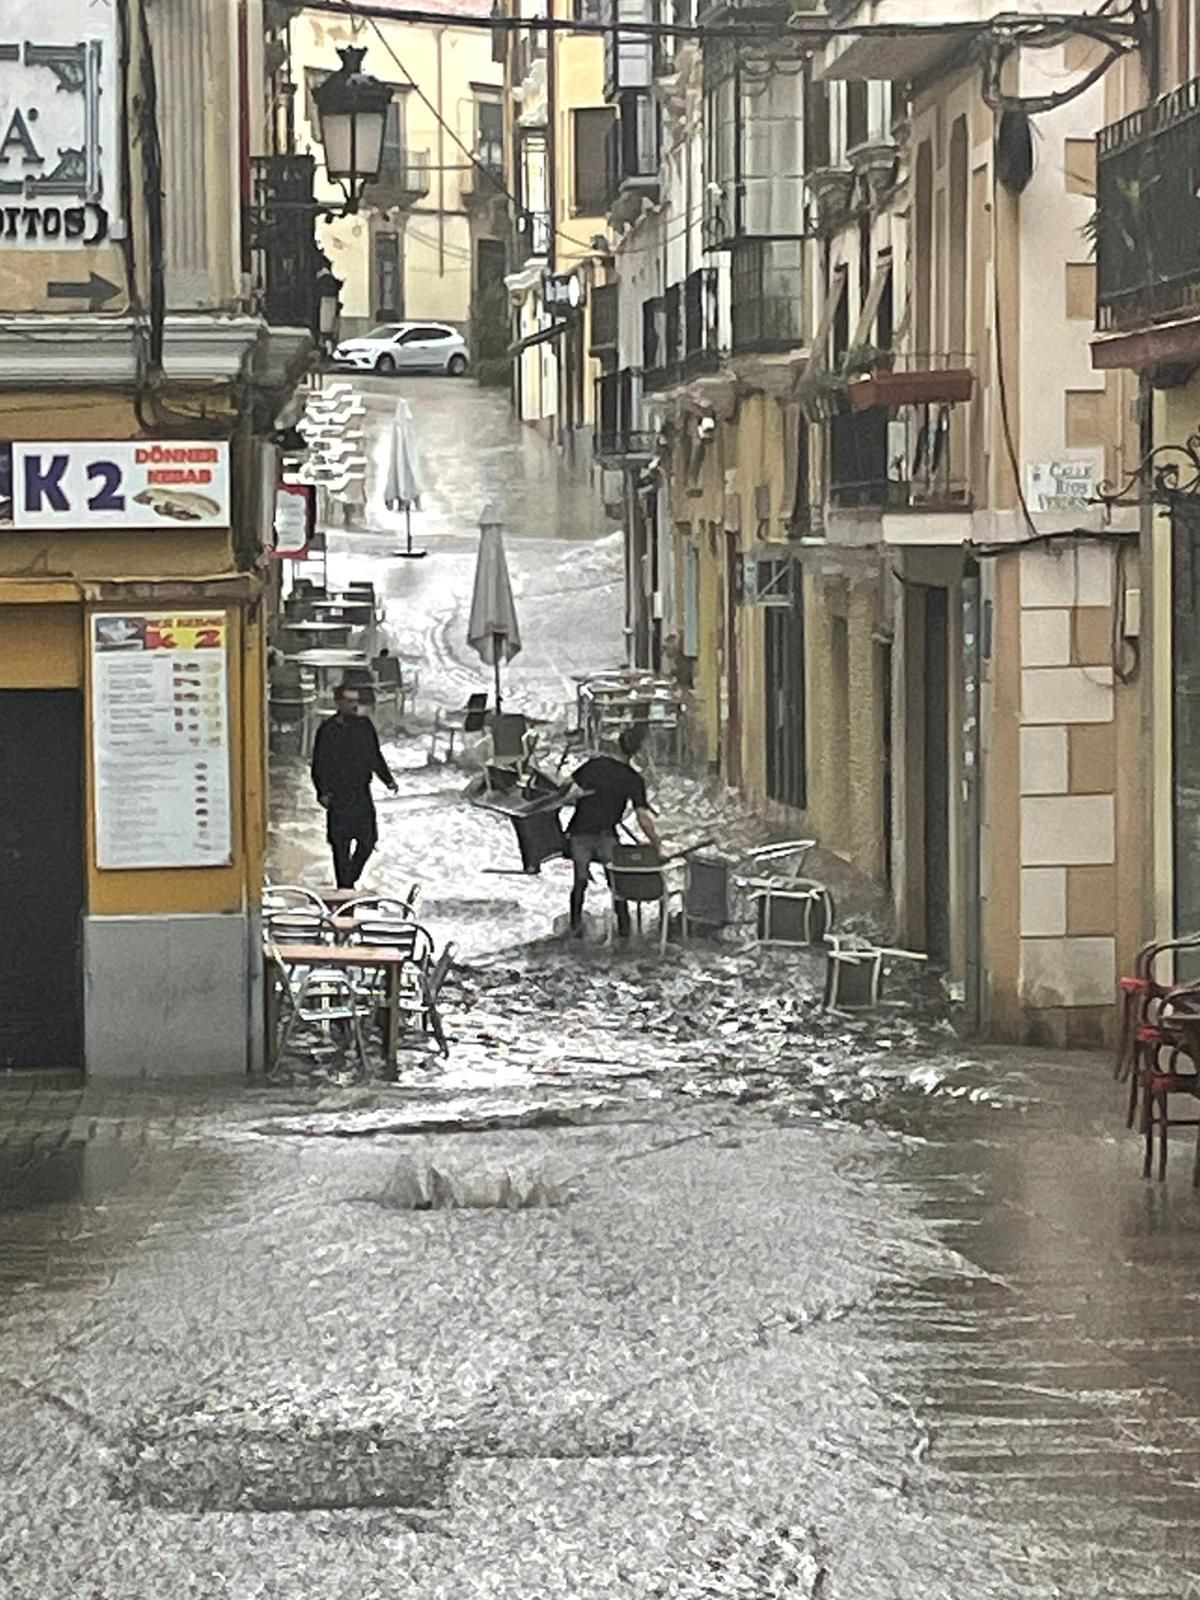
pixel 608 785
pixel 346 755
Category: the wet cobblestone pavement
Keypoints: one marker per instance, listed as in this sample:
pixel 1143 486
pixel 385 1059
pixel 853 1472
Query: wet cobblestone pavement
pixel 667 1284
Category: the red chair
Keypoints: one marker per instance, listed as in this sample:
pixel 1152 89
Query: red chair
pixel 1141 996
pixel 1176 1035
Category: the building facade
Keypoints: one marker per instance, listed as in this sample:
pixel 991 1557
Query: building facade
pixel 433 230
pixel 149 349
pixel 864 452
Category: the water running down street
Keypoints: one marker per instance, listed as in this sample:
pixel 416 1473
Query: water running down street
pixel 667 1283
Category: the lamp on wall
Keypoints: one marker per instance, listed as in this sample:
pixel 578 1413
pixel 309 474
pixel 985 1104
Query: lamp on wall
pixel 353 111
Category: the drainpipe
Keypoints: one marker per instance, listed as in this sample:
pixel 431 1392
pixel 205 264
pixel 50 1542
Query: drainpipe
pixel 972 759
pixel 439 35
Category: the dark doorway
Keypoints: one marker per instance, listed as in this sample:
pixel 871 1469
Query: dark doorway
pixel 490 262
pixel 937 776
pixel 787 773
pixel 389 279
pixel 885 725
pixel 41 877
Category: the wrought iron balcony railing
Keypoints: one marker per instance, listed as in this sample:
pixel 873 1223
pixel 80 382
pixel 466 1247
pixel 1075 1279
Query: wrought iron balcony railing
pixel 1148 214
pixel 620 436
pixel 701 337
pixel 916 459
pixel 282 235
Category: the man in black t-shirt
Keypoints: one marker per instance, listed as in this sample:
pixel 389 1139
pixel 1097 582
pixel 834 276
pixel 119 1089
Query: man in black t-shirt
pixel 346 756
pixel 608 785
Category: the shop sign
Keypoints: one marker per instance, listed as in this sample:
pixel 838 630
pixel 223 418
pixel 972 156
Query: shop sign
pixel 141 484
pixel 160 739
pixel 295 520
pixel 59 99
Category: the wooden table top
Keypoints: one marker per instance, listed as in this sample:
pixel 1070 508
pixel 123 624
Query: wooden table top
pixel 341 955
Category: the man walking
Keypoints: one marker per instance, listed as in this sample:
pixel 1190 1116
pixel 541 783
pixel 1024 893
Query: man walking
pixel 607 786
pixel 346 755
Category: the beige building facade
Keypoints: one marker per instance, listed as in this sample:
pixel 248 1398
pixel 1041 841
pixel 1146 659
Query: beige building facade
pixel 433 229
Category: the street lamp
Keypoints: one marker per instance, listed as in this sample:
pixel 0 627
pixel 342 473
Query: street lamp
pixel 353 111
pixel 329 306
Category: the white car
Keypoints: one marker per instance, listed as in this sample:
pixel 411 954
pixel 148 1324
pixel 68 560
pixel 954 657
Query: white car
pixel 406 347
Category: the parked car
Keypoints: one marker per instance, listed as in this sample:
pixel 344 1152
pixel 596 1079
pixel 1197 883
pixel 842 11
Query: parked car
pixel 406 347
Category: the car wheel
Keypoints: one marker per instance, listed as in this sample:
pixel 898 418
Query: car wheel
pixel 456 366
pixel 386 365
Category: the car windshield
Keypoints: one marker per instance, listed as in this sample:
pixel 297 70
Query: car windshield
pixel 388 332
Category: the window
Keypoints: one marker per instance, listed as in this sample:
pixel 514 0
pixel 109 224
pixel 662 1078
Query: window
pixel 816 123
pixel 591 133
pixel 489 132
pixel 589 10
pixel 389 277
pixel 857 115
pixel 393 138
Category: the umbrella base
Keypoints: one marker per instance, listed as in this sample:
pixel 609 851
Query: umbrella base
pixel 409 555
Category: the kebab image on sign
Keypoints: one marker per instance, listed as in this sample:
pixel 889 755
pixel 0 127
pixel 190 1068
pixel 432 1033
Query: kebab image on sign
pixel 180 505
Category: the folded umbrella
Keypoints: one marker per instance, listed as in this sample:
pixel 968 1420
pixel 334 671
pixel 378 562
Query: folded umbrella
pixel 493 631
pixel 402 490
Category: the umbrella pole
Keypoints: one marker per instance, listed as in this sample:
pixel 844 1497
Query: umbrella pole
pixel 408 527
pixel 497 642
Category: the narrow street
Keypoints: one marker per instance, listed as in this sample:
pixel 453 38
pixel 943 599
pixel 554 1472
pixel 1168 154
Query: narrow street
pixel 667 1283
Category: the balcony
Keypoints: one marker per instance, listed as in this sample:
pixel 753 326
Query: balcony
pixel 1148 231
pixel 620 438
pixel 902 58
pixel 283 240
pixel 754 146
pixel 483 181
pixel 403 179
pixel 662 339
pixel 628 57
pixel 915 460
pixel 701 335
pixel 634 150
pixel 768 297
pixel 605 311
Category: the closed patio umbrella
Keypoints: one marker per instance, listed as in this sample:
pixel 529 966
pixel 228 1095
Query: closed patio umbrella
pixel 493 632
pixel 402 491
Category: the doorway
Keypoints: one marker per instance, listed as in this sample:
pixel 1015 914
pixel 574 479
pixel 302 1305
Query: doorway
pixel 937 775
pixel 41 878
pixel 389 278
pixel 733 706
pixel 787 775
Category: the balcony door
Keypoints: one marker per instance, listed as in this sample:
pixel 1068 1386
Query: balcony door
pixel 389 278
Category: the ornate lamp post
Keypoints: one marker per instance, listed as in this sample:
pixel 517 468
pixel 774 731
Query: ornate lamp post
pixel 353 111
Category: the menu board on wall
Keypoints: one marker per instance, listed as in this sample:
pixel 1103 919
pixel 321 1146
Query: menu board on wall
pixel 160 739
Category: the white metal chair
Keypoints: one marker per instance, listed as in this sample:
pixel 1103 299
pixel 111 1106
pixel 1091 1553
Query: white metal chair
pixel 789 909
pixel 854 971
pixel 639 877
pixel 326 996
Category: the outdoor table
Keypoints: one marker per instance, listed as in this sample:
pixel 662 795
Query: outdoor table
pixel 325 663
pixel 334 634
pixel 354 958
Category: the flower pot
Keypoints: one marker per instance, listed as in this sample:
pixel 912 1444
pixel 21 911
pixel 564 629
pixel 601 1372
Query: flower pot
pixel 948 386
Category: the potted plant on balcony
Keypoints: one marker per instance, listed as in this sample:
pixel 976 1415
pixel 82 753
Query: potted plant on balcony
pixel 879 384
pixel 822 392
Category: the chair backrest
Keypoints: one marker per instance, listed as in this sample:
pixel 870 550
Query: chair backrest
pixel 398 932
pixel 381 907
pixel 388 670
pixel 291 897
pixel 302 925
pixel 783 860
pixel 636 873
pixel 475 715
pixel 508 729
pixel 439 972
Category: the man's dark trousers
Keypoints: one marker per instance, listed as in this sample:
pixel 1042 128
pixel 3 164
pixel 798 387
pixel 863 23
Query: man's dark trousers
pixel 353 834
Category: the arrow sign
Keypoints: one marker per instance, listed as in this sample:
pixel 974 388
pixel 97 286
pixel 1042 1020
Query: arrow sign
pixel 97 291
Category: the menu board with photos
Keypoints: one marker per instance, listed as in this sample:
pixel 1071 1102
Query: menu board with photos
pixel 160 739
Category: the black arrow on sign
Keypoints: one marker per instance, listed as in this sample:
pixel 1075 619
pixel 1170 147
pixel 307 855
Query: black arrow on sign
pixel 97 291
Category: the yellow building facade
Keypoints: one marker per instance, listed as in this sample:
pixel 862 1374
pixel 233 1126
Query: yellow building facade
pixel 138 391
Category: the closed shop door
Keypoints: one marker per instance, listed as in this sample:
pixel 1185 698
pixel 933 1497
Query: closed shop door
pixel 41 877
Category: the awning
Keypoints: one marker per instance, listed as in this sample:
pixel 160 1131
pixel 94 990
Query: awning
pixel 542 336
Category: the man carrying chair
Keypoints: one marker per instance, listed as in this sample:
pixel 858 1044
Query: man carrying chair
pixel 603 788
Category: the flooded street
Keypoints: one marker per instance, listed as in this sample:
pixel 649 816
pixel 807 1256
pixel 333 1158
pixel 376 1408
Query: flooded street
pixel 668 1283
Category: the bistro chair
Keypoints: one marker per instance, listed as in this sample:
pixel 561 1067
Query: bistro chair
pixel 471 719
pixel 290 897
pixel 383 907
pixel 419 1005
pixel 326 997
pixel 855 970
pixel 291 704
pixel 396 933
pixel 1166 1052
pixel 637 875
pixel 1140 996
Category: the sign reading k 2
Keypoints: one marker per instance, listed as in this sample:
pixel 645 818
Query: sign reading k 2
pixel 140 484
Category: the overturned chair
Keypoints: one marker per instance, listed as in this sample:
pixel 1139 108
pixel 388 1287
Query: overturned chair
pixel 789 909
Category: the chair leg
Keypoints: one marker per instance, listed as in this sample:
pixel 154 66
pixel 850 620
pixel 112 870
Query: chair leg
pixel 356 1027
pixel 664 920
pixel 1196 1162
pixel 1147 1134
pixel 1164 1128
pixel 291 1022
